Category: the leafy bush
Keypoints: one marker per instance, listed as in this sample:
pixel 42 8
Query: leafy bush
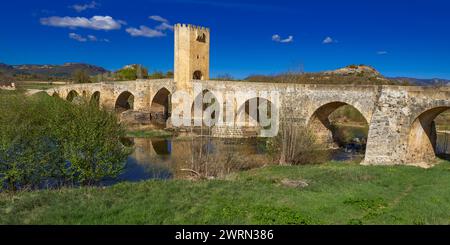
pixel 45 140
pixel 132 72
pixel 81 76
pixel 296 145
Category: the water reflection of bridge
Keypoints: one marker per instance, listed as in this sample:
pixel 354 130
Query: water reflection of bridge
pixel 205 155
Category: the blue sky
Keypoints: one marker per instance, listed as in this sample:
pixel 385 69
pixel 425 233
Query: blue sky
pixel 399 38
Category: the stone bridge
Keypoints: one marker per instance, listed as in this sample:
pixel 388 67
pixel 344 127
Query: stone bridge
pixel 400 118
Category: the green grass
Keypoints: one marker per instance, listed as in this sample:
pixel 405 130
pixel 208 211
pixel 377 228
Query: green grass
pixel 337 194
pixel 148 133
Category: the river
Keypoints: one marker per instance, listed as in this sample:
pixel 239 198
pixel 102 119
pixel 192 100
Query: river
pixel 202 157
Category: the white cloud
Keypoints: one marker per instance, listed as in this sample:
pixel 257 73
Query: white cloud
pixel 106 23
pixel 288 40
pixel 90 38
pixel 158 18
pixel 328 40
pixel 145 31
pixel 77 37
pixel 382 52
pixel 157 31
pixel 277 38
pixel 83 7
pixel 164 26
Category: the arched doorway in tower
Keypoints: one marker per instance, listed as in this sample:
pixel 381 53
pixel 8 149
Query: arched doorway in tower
pixel 72 95
pixel 429 137
pixel 124 102
pixel 197 75
pixel 340 126
pixel 95 98
pixel 160 107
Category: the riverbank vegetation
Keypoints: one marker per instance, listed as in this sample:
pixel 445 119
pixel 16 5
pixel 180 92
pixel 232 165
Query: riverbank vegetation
pixel 148 133
pixel 45 141
pixel 332 193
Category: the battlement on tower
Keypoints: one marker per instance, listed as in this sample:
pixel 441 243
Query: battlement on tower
pixel 191 27
pixel 191 54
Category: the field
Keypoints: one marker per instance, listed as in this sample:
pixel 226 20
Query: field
pixel 337 193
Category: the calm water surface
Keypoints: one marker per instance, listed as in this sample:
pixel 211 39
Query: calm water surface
pixel 168 158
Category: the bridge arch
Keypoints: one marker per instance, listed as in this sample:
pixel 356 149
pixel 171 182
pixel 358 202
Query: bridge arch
pixel 199 100
pixel 326 132
pixel 72 95
pixel 124 102
pixel 55 94
pixel 244 117
pixel 160 106
pixel 423 135
pixel 95 98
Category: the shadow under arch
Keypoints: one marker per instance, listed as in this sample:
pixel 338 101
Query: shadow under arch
pixel 72 95
pixel 204 100
pixel 264 108
pixel 161 146
pixel 124 102
pixel 95 98
pixel 160 106
pixel 331 129
pixel 422 137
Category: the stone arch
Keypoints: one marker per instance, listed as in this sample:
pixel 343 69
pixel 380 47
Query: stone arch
pixel 95 98
pixel 198 75
pixel 72 95
pixel 199 100
pixel 253 119
pixel 55 94
pixel 421 147
pixel 160 106
pixel 124 102
pixel 319 122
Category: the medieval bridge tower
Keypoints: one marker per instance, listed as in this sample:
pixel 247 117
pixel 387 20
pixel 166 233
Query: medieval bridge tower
pixel 191 55
pixel 400 118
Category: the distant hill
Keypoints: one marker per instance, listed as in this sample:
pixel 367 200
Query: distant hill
pixel 356 70
pixel 423 82
pixel 352 74
pixel 32 72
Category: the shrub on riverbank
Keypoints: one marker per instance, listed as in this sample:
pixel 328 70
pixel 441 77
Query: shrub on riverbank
pixel 48 141
pixel 296 145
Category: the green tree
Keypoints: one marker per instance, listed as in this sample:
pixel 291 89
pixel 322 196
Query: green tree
pixel 169 74
pixel 132 72
pixel 48 139
pixel 81 76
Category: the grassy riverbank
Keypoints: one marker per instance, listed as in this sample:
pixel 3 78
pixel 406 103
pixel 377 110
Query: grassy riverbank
pixel 338 193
